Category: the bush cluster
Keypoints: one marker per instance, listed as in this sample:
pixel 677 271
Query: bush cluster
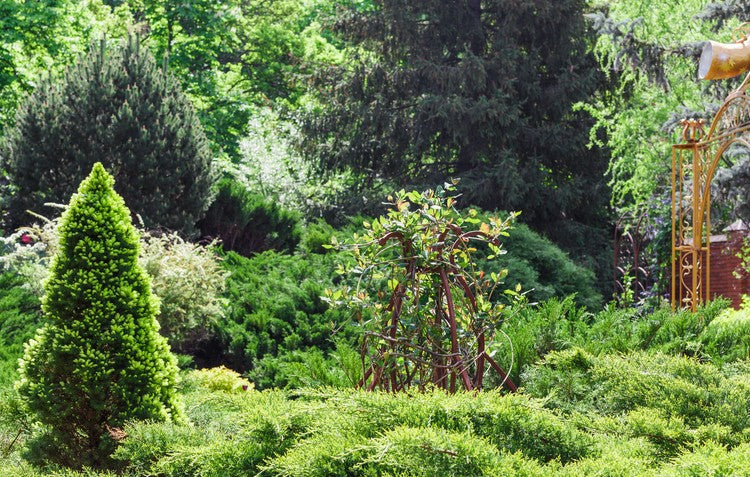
pixel 274 307
pixel 186 277
pixel 543 269
pixel 248 222
pixel 355 433
pixel 713 333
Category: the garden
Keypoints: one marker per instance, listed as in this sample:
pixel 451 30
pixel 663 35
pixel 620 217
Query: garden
pixel 367 238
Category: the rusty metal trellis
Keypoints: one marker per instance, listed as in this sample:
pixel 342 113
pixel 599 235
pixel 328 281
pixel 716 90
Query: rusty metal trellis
pixel 694 163
pixel 629 268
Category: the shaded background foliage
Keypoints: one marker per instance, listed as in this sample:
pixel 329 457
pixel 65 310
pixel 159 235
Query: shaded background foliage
pixel 383 94
pixel 477 90
pixel 494 106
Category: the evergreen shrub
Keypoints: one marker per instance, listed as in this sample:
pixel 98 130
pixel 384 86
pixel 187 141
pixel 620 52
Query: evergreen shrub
pixel 274 307
pixel 347 432
pixel 542 268
pixel 117 106
pixel 535 330
pixel 316 237
pixel 98 361
pixel 217 379
pixel 555 325
pixel 727 337
pixel 613 385
pixel 248 223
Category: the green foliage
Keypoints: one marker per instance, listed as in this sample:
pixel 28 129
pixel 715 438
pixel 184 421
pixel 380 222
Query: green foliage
pixel 228 81
pixel 727 337
pixel 217 379
pixel 316 237
pixel 427 452
pixel 37 38
pixel 354 433
pixel 188 280
pixel 274 306
pixel 534 331
pixel 248 223
pixel 19 318
pixel 654 51
pixel 117 106
pixel 425 309
pixel 678 387
pixel 337 368
pixel 628 414
pixel 98 361
pixel 711 459
pixel 542 269
pixel 481 90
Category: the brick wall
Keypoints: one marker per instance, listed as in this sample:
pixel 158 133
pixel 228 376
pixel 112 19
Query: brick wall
pixel 723 263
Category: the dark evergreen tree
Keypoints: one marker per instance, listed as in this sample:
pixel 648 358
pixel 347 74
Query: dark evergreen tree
pixel 481 90
pixel 119 108
pixel 99 360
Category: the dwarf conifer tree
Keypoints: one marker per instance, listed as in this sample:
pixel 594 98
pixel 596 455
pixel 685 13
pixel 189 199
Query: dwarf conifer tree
pixel 98 361
pixel 118 107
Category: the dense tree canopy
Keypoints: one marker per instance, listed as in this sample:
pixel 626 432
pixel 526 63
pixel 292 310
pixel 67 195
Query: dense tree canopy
pixel 481 90
pixel 37 38
pixel 233 57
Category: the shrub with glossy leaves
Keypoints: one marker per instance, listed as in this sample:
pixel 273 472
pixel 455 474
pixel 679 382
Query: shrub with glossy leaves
pixel 98 361
pixel 427 311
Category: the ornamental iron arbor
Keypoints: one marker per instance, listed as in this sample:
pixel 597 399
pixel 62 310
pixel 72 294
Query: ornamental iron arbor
pixel 694 163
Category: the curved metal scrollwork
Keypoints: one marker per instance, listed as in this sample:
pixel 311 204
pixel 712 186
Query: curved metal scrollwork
pixel 694 163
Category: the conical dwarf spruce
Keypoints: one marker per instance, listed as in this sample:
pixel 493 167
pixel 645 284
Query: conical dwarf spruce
pixel 98 361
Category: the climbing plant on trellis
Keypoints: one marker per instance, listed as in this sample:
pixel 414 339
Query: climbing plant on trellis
pixel 427 313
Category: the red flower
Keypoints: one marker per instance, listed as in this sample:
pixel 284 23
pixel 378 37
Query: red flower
pixel 25 238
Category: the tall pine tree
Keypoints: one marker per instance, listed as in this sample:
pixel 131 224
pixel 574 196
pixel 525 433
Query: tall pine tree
pixel 481 90
pixel 120 108
pixel 99 360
